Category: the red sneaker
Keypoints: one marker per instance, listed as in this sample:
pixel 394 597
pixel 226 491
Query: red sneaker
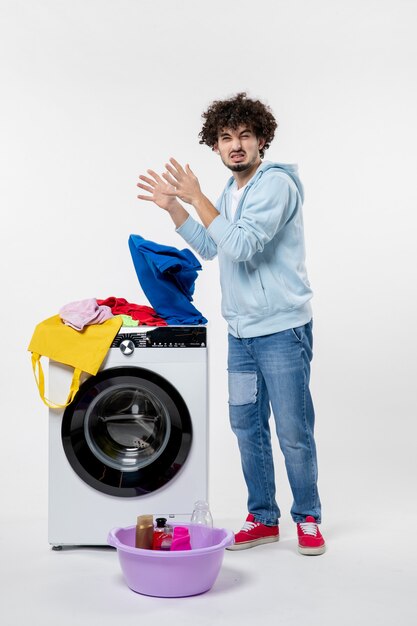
pixel 310 540
pixel 254 534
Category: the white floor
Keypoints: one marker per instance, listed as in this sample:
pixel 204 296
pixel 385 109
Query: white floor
pixel 367 576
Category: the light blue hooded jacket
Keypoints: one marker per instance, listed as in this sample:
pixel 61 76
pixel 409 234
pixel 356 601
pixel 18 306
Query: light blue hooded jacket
pixel 261 253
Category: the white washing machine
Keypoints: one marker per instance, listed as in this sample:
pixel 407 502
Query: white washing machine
pixel 135 438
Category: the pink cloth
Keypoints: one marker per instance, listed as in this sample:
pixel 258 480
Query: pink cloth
pixel 84 312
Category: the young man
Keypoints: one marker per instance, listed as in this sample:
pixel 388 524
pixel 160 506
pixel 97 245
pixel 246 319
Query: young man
pixel 256 230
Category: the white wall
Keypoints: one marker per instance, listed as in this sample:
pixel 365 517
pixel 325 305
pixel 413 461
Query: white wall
pixel 96 91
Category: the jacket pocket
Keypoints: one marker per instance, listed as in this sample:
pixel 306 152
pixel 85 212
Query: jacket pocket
pixel 248 291
pixel 263 299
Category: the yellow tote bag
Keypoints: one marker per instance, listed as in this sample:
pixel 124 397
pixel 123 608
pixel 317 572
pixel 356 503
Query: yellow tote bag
pixel 83 350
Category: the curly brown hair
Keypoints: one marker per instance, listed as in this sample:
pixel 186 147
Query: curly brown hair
pixel 234 112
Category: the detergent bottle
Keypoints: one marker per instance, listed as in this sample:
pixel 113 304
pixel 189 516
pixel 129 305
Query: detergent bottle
pixel 181 538
pixel 162 536
pixel 144 532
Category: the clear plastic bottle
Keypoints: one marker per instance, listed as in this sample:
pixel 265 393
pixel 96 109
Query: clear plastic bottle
pixel 201 514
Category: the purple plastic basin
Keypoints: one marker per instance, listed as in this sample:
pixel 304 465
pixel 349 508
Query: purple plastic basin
pixel 172 574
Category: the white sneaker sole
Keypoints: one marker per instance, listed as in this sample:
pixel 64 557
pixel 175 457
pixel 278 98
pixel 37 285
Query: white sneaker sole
pixel 252 544
pixel 312 551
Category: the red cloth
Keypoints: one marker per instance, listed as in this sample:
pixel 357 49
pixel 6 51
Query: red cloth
pixel 145 315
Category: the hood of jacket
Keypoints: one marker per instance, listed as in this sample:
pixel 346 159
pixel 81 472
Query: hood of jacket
pixel 290 169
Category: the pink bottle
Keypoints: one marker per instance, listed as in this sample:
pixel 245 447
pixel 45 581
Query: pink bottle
pixel 180 539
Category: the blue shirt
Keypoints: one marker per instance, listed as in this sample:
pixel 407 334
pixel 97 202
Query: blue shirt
pixel 167 277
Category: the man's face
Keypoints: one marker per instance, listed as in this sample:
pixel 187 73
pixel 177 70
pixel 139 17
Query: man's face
pixel 238 148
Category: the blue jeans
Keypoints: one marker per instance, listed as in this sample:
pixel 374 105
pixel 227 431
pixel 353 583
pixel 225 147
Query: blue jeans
pixel 275 370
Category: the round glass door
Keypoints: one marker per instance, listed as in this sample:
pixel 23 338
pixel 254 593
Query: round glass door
pixel 127 432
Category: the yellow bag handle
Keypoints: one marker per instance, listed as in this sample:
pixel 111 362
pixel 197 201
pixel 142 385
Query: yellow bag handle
pixel 40 381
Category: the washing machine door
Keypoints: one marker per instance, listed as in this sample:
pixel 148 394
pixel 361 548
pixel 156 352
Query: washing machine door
pixel 127 432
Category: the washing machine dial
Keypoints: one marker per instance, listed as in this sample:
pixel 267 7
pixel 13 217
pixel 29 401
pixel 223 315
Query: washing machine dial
pixel 127 347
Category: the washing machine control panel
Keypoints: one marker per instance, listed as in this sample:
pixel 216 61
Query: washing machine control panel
pixel 161 337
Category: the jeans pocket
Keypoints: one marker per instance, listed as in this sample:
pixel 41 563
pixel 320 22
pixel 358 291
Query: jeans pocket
pixel 242 388
pixel 298 333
